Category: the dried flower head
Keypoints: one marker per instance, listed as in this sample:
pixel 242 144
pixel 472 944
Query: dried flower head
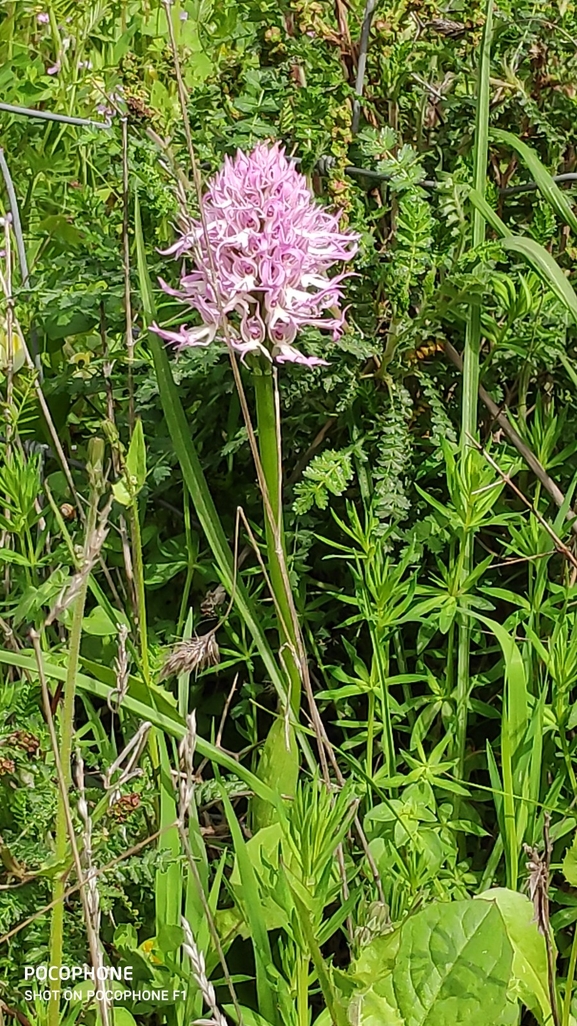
pixel 23 739
pixel 538 886
pixel 186 751
pixel 191 655
pixel 198 967
pixel 261 267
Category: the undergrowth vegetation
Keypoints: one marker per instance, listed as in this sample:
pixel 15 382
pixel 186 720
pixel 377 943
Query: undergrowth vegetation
pixel 288 617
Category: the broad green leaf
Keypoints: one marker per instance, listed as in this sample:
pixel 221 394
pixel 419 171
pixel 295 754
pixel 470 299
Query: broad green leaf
pixel 119 1017
pixel 121 492
pixel 279 764
pixel 122 1017
pixel 453 966
pixel 263 850
pixel 529 981
pixel 543 180
pixel 169 938
pixel 249 1016
pixel 99 623
pixel 374 1009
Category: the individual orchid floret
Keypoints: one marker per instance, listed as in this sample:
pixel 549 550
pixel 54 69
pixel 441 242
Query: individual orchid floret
pixel 261 260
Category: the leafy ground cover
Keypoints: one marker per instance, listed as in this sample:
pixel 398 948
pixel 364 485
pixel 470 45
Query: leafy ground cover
pixel 289 645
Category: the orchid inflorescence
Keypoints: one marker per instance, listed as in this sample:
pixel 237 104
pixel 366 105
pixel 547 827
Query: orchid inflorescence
pixel 261 260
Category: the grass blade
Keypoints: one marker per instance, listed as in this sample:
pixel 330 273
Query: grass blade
pixel 253 914
pixel 171 724
pixel 543 180
pixel 515 721
pixel 546 267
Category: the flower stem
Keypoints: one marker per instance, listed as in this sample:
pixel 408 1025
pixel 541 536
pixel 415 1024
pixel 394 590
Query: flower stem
pixel 270 455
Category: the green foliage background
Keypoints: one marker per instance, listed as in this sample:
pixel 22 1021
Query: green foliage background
pixel 378 503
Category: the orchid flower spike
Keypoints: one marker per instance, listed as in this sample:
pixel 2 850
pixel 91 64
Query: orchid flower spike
pixel 260 268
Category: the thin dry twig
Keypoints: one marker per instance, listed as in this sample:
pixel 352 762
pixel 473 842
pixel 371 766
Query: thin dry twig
pixel 122 670
pixel 92 548
pixel 17 224
pixel 538 882
pixel 559 545
pixel 500 417
pixel 127 763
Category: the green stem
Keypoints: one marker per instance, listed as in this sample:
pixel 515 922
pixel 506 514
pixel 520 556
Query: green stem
pixel 303 990
pixel 570 979
pixel 381 656
pixel 61 839
pixel 269 451
pixel 471 372
pixel 140 589
pixel 370 733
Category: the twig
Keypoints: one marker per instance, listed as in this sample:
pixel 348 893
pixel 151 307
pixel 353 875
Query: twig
pixel 46 115
pixel 225 711
pixel 539 870
pixel 13 202
pixel 14 1014
pixel 500 417
pixel 10 334
pixel 559 545
pixel 362 61
pixel 307 456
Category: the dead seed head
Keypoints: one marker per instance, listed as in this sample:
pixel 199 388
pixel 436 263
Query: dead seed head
pixel 191 655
